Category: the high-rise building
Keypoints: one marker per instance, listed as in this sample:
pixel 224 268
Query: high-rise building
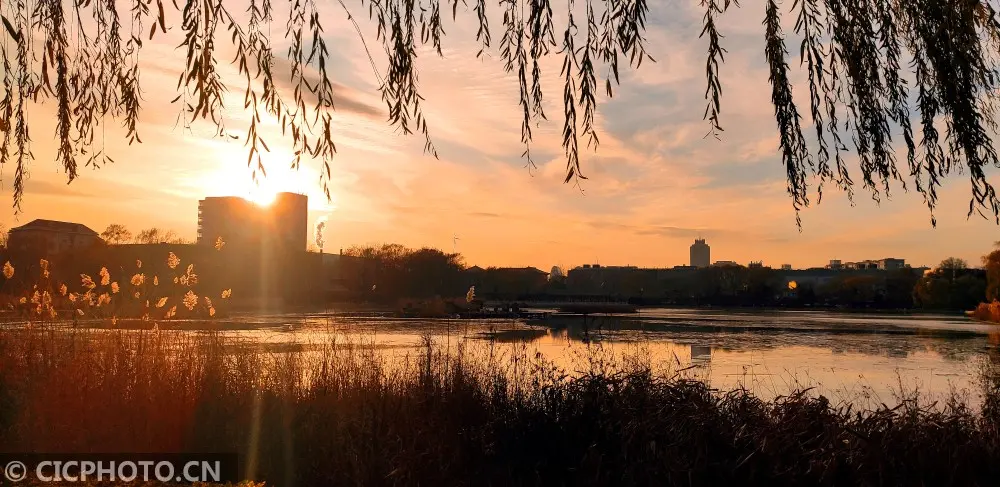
pixel 701 253
pixel 240 222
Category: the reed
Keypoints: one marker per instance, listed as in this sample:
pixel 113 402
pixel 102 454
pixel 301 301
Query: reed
pixel 159 291
pixel 344 413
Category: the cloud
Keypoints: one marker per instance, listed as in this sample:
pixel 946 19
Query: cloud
pixel 47 188
pixel 655 182
pixel 345 99
pixel 94 188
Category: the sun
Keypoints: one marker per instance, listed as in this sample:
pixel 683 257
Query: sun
pixel 262 196
pixel 229 178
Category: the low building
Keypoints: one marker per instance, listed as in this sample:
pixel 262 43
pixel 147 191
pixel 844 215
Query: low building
pixel 887 264
pixel 50 237
pixel 891 264
pixel 864 265
pixel 508 282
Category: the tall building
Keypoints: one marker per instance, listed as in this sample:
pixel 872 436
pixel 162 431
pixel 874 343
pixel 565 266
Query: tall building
pixel 239 222
pixel 701 253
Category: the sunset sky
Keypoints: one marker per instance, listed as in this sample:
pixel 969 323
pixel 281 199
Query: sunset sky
pixel 654 185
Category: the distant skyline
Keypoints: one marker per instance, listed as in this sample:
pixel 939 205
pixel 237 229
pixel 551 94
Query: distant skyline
pixel 654 185
pixel 777 265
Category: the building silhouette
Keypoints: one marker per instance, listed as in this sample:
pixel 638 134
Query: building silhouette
pixel 701 253
pixel 239 222
pixel 49 237
pixel 887 264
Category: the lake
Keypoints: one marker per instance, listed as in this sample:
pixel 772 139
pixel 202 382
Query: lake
pixel 846 356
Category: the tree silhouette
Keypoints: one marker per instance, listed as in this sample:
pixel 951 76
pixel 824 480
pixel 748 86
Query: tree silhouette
pixel 149 236
pixel 116 234
pixel 857 54
pixel 953 264
pixel 156 235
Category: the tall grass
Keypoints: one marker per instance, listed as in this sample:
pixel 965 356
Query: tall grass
pixel 344 414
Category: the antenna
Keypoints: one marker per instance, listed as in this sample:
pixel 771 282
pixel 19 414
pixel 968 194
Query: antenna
pixel 454 243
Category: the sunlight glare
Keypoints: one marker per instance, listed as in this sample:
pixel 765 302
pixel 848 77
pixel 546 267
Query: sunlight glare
pixel 234 179
pixel 262 196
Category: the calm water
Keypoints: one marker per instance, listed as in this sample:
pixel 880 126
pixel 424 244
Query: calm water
pixel 850 357
pixel 847 357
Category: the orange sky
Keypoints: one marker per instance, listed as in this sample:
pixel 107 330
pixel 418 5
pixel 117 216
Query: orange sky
pixel 655 183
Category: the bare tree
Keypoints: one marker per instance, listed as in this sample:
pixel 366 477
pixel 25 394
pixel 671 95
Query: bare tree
pixel 116 234
pixel 149 236
pixel 855 53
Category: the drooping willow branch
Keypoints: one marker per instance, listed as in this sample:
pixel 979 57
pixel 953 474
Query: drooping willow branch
pixel 857 55
pixel 716 55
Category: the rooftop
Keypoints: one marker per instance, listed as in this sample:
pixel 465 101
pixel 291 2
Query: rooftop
pixel 55 226
pixel 278 195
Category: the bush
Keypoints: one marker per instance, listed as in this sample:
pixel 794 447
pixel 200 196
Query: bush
pixel 988 312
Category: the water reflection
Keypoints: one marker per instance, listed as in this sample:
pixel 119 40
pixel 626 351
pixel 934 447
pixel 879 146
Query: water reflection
pixel 845 356
pixel 701 355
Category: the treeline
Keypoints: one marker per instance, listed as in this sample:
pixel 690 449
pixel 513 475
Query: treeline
pixel 118 234
pixel 391 272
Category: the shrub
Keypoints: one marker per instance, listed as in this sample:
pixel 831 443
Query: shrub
pixel 988 312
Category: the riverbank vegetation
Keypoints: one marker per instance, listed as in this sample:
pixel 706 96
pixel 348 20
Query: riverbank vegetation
pixel 389 273
pixel 343 413
pixel 396 276
pixel 157 290
pixel 990 309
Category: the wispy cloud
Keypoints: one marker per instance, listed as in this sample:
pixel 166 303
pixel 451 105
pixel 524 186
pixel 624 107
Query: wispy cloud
pixel 655 182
